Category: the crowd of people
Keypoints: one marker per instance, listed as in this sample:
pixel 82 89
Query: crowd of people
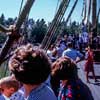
pixel 36 75
pixel 49 75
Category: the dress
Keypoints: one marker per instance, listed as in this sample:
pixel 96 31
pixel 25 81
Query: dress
pixel 89 61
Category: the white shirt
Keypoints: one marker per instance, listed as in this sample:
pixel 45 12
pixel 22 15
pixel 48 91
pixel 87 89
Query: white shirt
pixel 6 98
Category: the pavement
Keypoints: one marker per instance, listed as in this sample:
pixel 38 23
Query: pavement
pixel 93 86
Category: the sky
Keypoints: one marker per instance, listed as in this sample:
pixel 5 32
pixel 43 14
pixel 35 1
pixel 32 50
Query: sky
pixel 45 9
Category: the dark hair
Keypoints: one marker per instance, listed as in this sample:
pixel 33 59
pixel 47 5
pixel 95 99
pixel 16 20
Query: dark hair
pixel 30 65
pixel 69 44
pixel 64 69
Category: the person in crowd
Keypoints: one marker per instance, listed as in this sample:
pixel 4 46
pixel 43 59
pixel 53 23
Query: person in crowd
pixel 31 67
pixel 8 86
pixel 50 49
pixel 89 63
pixel 52 52
pixel 71 87
pixel 18 95
pixel 72 53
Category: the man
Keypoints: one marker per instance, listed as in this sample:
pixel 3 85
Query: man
pixel 31 67
pixel 75 55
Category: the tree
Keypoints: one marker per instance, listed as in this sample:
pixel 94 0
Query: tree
pixel 39 31
pixel 2 38
pixel 10 21
pixel 2 19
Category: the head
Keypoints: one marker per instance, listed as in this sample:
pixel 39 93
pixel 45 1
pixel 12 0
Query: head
pixel 9 85
pixel 65 36
pixel 69 44
pixel 30 65
pixel 64 69
pixel 51 47
pixel 89 47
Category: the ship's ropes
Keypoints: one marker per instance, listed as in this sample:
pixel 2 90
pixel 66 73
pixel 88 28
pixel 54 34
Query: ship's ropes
pixel 69 15
pixel 89 11
pixel 83 14
pixel 54 25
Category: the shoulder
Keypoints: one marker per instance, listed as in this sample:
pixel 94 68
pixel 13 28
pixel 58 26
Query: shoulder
pixel 67 50
pixel 84 91
pixel 2 97
pixel 43 93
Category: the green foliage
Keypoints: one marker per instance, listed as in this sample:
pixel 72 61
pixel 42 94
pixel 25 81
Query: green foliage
pixel 39 31
pixel 10 21
pixel 2 19
pixel 73 28
pixel 2 38
pixel 4 70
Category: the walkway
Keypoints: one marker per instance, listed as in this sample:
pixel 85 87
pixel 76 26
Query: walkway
pixel 93 86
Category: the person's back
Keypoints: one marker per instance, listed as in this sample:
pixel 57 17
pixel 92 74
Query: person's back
pixel 43 92
pixel 32 67
pixel 72 53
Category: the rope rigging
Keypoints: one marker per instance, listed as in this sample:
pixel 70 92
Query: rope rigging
pixel 20 7
pixel 88 14
pixel 69 15
pixel 89 11
pixel 84 10
pixel 98 14
pixel 57 6
pixel 73 7
pixel 54 25
pixel 55 33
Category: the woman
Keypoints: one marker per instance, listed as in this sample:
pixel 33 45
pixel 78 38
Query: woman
pixel 89 63
pixel 71 87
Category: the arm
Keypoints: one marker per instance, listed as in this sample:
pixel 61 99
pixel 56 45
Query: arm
pixel 80 57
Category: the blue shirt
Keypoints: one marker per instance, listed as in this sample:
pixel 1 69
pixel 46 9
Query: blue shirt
pixel 2 97
pixel 43 92
pixel 72 53
pixel 19 95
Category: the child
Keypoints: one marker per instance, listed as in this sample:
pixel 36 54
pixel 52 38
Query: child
pixel 8 86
